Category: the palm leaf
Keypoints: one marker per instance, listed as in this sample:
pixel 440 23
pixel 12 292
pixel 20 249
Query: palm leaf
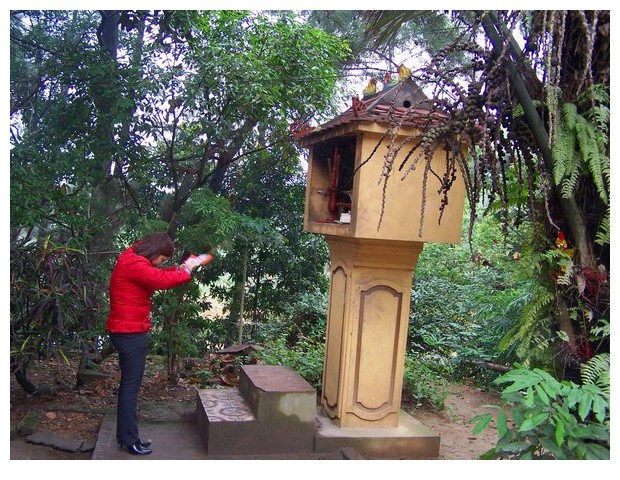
pixel 383 25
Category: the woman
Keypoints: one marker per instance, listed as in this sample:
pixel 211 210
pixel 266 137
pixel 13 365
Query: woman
pixel 134 279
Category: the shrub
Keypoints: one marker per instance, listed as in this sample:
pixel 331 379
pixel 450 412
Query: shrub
pixel 305 357
pixel 423 382
pixel 552 419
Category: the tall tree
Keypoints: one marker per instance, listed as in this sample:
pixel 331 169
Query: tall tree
pixel 536 119
pixel 179 100
pixel 120 118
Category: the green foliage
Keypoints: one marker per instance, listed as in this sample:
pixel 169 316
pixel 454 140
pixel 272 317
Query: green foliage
pixel 214 334
pixel 305 357
pixel 529 337
pixel 536 335
pixel 297 339
pixel 552 419
pixel 304 317
pixel 467 297
pixel 307 315
pixel 576 149
pixel 204 376
pixel 581 147
pixel 176 316
pixel 603 233
pixel 265 230
pixel 596 371
pixel 424 381
pixel 208 222
pixel 533 335
pixel 56 308
pixel 373 36
pixel 51 294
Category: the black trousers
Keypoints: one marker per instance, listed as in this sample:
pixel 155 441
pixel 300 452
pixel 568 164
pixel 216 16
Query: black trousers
pixel 132 349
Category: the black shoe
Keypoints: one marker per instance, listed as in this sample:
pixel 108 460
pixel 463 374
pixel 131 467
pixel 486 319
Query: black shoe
pixel 137 449
pixel 144 443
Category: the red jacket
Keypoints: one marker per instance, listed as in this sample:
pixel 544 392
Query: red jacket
pixel 133 281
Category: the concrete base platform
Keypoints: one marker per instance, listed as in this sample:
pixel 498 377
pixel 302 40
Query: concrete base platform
pixel 410 440
pixel 175 440
pixel 173 429
pixel 179 439
pixel 340 454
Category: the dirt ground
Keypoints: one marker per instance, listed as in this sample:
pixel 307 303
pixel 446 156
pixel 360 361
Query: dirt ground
pixel 77 413
pixel 453 423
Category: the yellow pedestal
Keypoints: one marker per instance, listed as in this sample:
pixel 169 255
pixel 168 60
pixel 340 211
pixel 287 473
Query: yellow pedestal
pixel 367 330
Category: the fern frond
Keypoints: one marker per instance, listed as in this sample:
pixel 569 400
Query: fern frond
pixel 569 115
pixel 564 148
pixel 601 330
pixel 535 319
pixel 562 152
pixel 571 177
pixel 565 278
pixel 603 235
pixel 518 111
pixel 580 148
pixel 600 93
pixel 595 159
pixel 599 115
pixel 596 372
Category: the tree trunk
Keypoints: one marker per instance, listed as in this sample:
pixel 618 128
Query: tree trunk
pixel 106 190
pixel 108 163
pixel 565 323
pixel 572 213
pixel 21 375
pixel 495 30
pixel 257 284
pixel 494 366
pixel 244 273
pixel 171 343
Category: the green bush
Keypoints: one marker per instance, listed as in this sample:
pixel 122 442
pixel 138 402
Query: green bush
pixel 204 376
pixel 465 298
pixel 305 357
pixel 424 383
pixel 552 419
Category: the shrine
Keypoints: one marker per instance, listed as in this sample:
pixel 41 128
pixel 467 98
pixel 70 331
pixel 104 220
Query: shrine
pixel 376 217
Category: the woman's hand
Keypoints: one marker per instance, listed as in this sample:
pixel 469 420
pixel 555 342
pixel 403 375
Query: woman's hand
pixel 192 262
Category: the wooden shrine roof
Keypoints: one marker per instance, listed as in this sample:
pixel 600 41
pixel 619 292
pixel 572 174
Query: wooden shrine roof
pixel 403 103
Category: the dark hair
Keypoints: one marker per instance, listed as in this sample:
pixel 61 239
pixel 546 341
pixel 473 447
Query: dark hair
pixel 154 245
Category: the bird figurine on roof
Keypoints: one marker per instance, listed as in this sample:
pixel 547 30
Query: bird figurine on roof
pixel 371 88
pixel 387 80
pixel 403 73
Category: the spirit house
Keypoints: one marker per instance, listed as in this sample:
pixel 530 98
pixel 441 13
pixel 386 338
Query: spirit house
pixel 377 199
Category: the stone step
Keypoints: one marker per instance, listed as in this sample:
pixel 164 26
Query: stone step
pixel 274 392
pixel 273 411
